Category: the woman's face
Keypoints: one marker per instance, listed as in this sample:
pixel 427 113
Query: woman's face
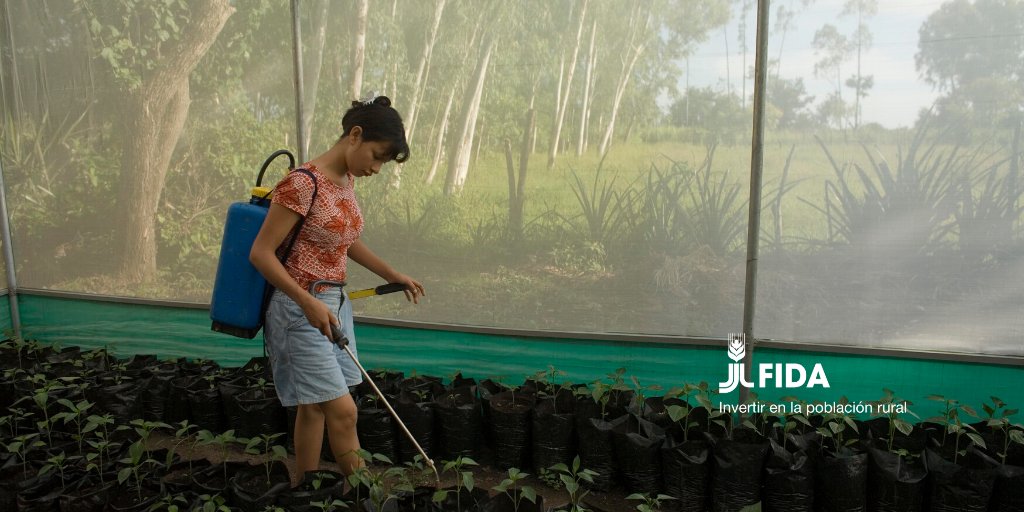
pixel 365 158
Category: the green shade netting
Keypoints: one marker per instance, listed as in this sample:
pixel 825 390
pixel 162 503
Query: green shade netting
pixel 128 329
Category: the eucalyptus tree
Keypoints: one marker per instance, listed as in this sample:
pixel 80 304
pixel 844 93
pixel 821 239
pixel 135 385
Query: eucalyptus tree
pixel 399 57
pixel 318 15
pixel 487 37
pixel 833 49
pixel 861 39
pixel 640 33
pixel 659 31
pixel 745 6
pixel 783 21
pixel 567 69
pixel 588 85
pixel 532 85
pixel 458 166
pixel 423 68
pixel 442 91
pixel 530 76
pixel 359 22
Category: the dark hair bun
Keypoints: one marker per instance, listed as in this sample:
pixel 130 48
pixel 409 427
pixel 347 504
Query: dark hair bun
pixel 382 101
pixel 380 122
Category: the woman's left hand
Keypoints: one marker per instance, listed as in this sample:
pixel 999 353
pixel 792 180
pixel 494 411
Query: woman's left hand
pixel 413 288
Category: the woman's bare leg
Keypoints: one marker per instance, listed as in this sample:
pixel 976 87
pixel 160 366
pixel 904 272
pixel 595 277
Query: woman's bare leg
pixel 309 437
pixel 340 414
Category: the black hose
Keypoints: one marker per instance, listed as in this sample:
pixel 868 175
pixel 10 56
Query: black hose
pixel 266 163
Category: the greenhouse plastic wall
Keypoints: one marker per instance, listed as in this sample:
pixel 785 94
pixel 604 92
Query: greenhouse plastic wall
pixel 585 202
pixel 630 141
pixel 574 259
pixel 892 206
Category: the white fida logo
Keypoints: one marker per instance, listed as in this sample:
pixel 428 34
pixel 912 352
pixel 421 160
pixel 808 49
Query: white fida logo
pixel 788 375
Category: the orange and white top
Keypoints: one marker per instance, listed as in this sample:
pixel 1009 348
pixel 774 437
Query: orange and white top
pixel 334 224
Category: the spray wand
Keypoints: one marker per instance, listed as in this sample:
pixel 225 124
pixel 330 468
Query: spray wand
pixel 340 339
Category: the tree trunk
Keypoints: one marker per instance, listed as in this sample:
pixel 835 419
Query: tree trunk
pixel 313 84
pixel 16 90
pixel 155 114
pixel 629 129
pixel 359 47
pixel 439 142
pixel 742 40
pixel 517 208
pixel 588 84
pixel 479 140
pixel 556 132
pixel 422 70
pixel 514 224
pixel 532 105
pixel 458 169
pixel 728 61
pixel 620 89
pixel 860 44
pixel 639 23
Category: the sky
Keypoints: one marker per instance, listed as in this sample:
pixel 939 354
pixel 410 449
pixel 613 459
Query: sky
pixel 899 93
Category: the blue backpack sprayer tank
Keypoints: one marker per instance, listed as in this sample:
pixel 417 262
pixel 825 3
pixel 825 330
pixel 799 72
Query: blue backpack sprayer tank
pixel 239 290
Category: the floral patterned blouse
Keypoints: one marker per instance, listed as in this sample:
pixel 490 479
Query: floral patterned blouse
pixel 333 225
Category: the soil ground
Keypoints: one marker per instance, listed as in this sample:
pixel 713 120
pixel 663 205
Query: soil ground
pixel 485 477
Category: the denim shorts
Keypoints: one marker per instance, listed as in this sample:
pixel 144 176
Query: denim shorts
pixel 308 367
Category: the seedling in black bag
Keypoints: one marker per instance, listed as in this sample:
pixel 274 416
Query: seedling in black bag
pixel 21 445
pixel 524 492
pixel 888 403
pixel 572 478
pixel 1012 433
pixel 262 445
pixel 76 413
pixel 953 424
pixel 58 462
pixel 649 504
pixel 383 486
pixel 463 480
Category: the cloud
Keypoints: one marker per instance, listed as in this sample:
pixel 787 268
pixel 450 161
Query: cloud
pixel 918 10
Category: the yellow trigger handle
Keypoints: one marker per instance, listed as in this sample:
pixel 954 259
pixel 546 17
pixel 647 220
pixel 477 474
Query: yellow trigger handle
pixel 380 290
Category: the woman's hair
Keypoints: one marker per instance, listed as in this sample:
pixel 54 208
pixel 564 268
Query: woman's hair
pixel 380 122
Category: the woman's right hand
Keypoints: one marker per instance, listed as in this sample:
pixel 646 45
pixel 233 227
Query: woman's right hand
pixel 319 316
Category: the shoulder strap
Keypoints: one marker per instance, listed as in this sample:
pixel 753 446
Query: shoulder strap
pixel 298 227
pixel 269 289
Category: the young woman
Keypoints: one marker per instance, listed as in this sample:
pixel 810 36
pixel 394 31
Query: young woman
pixel 310 371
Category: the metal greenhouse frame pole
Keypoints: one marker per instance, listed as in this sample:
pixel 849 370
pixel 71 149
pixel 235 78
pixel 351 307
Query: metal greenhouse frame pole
pixel 12 282
pixel 300 110
pixel 756 170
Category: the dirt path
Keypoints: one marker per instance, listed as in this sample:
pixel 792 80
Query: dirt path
pixel 485 477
